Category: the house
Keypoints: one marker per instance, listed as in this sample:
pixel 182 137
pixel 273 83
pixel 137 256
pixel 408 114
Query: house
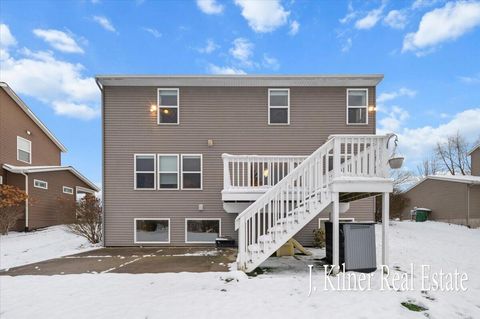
pixel 30 158
pixel 452 198
pixel 187 159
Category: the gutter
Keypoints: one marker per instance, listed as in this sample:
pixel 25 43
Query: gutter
pixel 100 87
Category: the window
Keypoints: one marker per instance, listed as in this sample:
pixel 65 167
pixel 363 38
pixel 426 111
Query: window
pixel 168 106
pixel 67 190
pixel 191 171
pixel 278 106
pixel 1 180
pixel 167 171
pixel 40 184
pixel 145 171
pixel 152 230
pixel 202 230
pixel 24 150
pixel 357 100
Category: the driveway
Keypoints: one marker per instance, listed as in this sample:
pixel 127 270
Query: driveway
pixel 133 260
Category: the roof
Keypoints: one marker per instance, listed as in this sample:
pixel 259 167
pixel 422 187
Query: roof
pixel 466 179
pixel 476 147
pixel 34 118
pixel 44 169
pixel 240 80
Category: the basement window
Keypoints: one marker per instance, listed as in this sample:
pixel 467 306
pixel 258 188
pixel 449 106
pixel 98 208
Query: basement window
pixel 168 106
pixel 24 150
pixel 167 171
pixel 152 230
pixel 192 171
pixel 204 230
pixel 40 184
pixel 67 190
pixel 144 171
pixel 278 106
pixel 357 105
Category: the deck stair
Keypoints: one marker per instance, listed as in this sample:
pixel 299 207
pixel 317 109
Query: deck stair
pixel 345 168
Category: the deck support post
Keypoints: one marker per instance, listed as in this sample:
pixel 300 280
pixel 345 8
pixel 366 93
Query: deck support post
pixel 334 218
pixel 385 222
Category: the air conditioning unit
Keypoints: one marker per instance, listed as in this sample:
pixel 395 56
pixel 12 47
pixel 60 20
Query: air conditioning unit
pixel 357 246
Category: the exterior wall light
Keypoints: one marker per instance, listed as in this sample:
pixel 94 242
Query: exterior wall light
pixel 153 108
pixel 265 172
pixel 372 108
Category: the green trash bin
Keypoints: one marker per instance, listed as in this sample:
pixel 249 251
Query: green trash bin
pixel 421 214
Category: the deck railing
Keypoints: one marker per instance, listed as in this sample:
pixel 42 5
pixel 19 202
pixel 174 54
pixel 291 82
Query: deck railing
pixel 302 193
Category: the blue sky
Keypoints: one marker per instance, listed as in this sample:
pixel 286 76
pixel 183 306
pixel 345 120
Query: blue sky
pixel 428 51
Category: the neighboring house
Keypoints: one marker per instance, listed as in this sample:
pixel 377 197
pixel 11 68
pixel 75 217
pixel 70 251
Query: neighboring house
pixel 452 198
pixel 184 157
pixel 30 158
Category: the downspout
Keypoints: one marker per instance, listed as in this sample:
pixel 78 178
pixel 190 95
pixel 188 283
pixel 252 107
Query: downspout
pixel 468 204
pixel 26 201
pixel 100 86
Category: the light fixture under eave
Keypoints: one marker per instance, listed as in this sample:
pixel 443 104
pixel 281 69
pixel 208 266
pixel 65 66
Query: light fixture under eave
pixel 153 108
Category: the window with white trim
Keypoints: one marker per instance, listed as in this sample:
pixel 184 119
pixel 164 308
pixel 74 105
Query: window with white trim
pixel 152 230
pixel 40 184
pixel 67 190
pixel 278 106
pixel 202 230
pixel 357 106
pixel 167 171
pixel 168 106
pixel 24 150
pixel 145 171
pixel 191 171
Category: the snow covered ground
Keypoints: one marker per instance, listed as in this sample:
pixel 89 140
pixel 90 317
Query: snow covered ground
pixel 18 249
pixel 281 292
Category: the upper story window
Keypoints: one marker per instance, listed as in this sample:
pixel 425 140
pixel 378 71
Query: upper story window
pixel 67 190
pixel 145 171
pixel 278 106
pixel 40 184
pixel 24 150
pixel 168 106
pixel 191 171
pixel 357 106
pixel 167 171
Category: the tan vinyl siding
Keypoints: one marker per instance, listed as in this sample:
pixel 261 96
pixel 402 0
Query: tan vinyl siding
pixel 234 117
pixel 475 158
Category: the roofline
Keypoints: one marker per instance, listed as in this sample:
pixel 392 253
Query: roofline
pixel 28 169
pixel 148 79
pixel 35 119
pixel 473 149
pixel 440 178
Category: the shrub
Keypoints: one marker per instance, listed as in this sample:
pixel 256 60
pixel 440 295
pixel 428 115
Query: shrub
pixel 89 219
pixel 11 208
pixel 319 238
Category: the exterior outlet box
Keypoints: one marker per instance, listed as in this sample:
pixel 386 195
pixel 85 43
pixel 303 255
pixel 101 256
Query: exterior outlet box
pixel 357 246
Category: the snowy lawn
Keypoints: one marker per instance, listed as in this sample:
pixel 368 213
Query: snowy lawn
pixel 281 292
pixel 18 249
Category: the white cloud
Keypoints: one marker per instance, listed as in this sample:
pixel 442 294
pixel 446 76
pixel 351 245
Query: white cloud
pixel 58 40
pixel 351 14
pixel 443 24
pixel 417 143
pixel 347 45
pixel 209 47
pixel 57 83
pixel 294 27
pixel 270 62
pixel 215 69
pixel 396 19
pixel 70 109
pixel 104 23
pixel 210 6
pixel 370 20
pixel 388 96
pixel 419 4
pixel 470 79
pixel 394 119
pixel 242 50
pixel 6 38
pixel 263 16
pixel 154 32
